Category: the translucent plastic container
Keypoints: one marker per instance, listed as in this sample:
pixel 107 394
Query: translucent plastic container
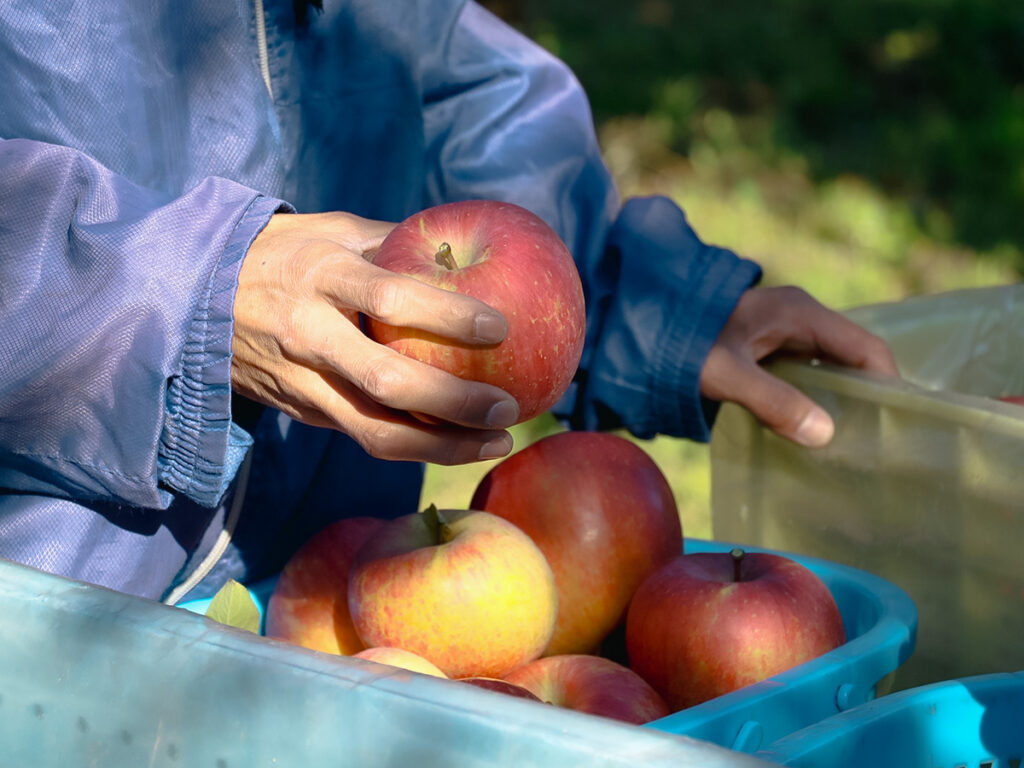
pixel 91 677
pixel 880 621
pixel 976 721
pixel 922 485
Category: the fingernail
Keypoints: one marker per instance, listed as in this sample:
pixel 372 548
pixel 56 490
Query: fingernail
pixel 496 448
pixel 815 430
pixel 502 414
pixel 489 328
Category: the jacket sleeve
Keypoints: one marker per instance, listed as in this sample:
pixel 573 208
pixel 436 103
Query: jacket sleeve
pixel 115 330
pixel 506 120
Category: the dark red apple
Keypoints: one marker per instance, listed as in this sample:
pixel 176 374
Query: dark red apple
pixel 510 259
pixel 711 622
pixel 602 513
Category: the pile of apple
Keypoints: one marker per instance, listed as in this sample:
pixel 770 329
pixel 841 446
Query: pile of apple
pixel 564 579
pixel 568 548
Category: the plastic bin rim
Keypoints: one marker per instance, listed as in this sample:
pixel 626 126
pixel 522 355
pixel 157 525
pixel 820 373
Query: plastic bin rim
pixel 956 407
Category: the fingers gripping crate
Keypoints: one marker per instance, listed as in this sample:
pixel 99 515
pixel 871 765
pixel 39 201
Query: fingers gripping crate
pixel 971 722
pixel 881 630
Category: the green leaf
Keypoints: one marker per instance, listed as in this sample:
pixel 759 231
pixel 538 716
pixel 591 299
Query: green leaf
pixel 234 606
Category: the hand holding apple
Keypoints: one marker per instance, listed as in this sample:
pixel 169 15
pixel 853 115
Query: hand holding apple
pixel 708 623
pixel 591 684
pixel 298 346
pixel 465 589
pixel 602 513
pixel 510 259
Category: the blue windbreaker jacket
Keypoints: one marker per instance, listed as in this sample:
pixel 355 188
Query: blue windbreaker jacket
pixel 142 148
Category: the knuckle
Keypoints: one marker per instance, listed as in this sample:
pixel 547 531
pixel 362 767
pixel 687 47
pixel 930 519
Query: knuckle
pixel 381 378
pixel 384 298
pixel 376 438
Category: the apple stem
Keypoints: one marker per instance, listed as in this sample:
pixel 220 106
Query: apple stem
pixel 439 529
pixel 444 257
pixel 737 563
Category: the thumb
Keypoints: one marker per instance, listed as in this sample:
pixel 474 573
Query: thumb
pixel 783 408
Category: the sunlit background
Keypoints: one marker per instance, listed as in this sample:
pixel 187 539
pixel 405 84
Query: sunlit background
pixel 865 150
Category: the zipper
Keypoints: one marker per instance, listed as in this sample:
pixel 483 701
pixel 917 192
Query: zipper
pixel 261 43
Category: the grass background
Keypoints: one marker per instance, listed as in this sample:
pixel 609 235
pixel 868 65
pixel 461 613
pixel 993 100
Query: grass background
pixel 865 150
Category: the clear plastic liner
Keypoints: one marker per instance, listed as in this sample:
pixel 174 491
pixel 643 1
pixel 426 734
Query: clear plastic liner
pixel 923 483
pixel 91 677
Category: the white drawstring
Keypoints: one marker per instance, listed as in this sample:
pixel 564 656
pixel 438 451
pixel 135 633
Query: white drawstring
pixel 261 41
pixel 223 539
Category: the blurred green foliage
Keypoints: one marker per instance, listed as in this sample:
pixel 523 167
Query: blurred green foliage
pixel 923 98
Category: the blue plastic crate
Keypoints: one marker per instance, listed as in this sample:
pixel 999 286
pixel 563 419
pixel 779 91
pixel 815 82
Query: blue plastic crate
pixel 971 722
pixel 881 629
pixel 881 625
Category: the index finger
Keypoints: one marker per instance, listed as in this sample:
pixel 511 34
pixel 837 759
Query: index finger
pixel 406 302
pixel 850 344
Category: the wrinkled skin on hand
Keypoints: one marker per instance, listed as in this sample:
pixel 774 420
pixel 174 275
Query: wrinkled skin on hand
pixel 298 347
pixel 786 320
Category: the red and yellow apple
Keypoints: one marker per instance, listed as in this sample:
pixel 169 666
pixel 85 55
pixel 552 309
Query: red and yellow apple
pixel 591 684
pixel 708 623
pixel 510 259
pixel 465 589
pixel 309 604
pixel 602 513
pixel 401 658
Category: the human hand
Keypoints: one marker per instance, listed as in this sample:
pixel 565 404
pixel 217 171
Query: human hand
pixel 298 347
pixel 786 320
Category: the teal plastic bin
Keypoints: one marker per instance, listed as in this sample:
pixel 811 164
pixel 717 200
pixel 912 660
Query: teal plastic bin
pixel 90 677
pixel 975 721
pixel 880 621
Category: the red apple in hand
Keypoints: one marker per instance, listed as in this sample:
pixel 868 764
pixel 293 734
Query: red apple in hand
pixel 309 604
pixel 591 684
pixel 398 657
pixel 511 260
pixel 602 513
pixel 465 589
pixel 711 622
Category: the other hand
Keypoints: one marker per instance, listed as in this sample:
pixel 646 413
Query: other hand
pixel 770 320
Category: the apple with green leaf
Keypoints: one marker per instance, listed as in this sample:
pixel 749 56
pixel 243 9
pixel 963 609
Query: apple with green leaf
pixel 510 259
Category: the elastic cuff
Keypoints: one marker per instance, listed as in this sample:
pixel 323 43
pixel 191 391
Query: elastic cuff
pixel 678 405
pixel 201 448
